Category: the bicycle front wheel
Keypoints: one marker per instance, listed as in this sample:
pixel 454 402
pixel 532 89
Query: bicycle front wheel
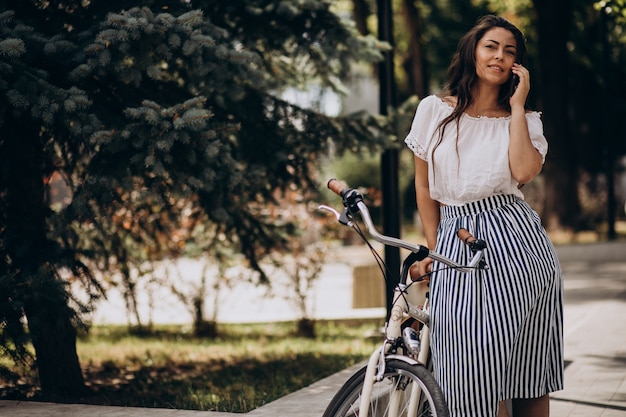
pixel 394 395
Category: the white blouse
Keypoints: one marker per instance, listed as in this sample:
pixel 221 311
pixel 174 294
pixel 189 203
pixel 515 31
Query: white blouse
pixel 478 165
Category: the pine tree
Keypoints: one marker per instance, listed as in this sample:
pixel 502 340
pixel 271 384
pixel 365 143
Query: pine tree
pixel 149 114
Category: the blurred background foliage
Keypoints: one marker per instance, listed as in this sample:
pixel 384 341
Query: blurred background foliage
pixel 136 132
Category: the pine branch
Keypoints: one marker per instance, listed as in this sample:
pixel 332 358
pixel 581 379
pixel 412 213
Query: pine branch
pixel 12 47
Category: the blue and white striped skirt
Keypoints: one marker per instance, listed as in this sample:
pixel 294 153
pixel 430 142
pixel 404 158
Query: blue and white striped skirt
pixel 496 334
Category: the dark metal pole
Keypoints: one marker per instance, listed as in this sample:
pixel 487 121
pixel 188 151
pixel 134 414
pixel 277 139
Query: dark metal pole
pixel 389 159
pixel 607 130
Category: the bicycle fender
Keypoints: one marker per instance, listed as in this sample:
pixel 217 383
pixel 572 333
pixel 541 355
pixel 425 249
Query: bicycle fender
pixel 403 358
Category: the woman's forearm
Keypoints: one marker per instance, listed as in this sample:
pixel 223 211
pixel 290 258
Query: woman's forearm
pixel 524 160
pixel 427 208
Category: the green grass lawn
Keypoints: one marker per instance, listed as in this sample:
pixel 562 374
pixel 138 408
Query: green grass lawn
pixel 244 368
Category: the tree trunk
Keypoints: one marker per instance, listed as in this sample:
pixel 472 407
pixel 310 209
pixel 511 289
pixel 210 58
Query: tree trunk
pixel 414 62
pixel 202 327
pixel 361 12
pixel 562 207
pixel 43 295
pixel 306 328
pixel 54 339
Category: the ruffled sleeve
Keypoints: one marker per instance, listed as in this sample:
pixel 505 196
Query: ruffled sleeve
pixel 427 117
pixel 535 129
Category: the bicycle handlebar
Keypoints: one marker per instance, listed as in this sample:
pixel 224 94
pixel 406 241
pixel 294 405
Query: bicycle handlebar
pixel 337 187
pixel 353 202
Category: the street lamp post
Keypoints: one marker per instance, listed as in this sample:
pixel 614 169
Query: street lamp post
pixel 389 159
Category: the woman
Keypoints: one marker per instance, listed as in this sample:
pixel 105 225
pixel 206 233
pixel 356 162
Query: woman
pixel 496 334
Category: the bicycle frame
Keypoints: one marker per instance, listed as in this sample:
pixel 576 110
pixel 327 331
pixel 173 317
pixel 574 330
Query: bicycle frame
pixel 395 340
pixel 400 308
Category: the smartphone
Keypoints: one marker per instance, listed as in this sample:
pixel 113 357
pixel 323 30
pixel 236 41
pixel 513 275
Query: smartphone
pixel 514 83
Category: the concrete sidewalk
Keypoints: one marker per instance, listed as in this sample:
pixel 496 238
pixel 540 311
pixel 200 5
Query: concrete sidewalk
pixel 595 331
pixel 595 351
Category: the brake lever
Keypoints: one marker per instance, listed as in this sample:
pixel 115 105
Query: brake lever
pixel 341 217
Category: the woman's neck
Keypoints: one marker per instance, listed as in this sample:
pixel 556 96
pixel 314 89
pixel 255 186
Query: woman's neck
pixel 485 103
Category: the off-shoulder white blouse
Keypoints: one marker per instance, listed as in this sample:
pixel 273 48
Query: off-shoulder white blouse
pixel 478 165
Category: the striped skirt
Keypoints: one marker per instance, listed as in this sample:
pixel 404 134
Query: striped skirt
pixel 496 334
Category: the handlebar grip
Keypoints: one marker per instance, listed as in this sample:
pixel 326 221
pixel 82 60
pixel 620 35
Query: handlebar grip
pixel 474 244
pixel 337 186
pixel 465 236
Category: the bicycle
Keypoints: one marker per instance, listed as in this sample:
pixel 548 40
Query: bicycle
pixel 397 380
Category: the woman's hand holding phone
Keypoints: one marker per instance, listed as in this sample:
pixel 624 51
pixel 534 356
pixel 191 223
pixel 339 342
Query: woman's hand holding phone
pixel 520 88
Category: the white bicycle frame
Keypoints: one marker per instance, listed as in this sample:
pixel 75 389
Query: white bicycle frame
pixel 401 308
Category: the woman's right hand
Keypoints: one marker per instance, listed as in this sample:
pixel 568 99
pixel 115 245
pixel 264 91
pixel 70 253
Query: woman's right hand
pixel 420 271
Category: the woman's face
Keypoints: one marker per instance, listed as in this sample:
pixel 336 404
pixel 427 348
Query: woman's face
pixel 495 55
